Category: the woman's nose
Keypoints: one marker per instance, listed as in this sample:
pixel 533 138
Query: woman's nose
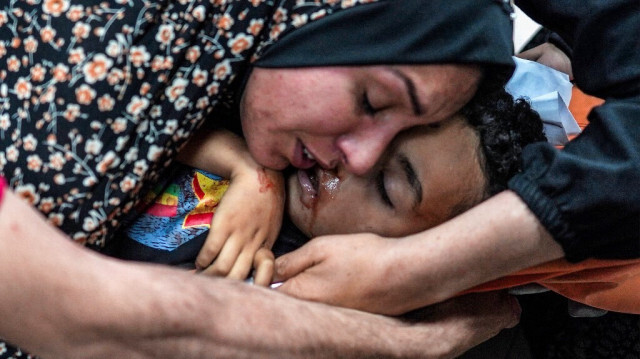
pixel 361 151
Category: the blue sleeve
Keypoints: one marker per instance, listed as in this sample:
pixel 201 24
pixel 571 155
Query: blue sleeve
pixel 588 194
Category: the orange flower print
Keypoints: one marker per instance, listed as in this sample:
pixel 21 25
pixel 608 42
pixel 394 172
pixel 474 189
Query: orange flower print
pixel 96 69
pixel 72 112
pixel 46 205
pixel 276 30
pixel 137 105
pixel 60 72
pixel 37 73
pixel 199 13
pixel 193 54
pixel 255 26
pixel 165 34
pixel 110 160
pixel 212 89
pixel 127 184
pixel 47 34
pixel 157 63
pixel 85 94
pixel 13 64
pixel 81 30
pixel 139 55
pixel 76 55
pixel 348 3
pixel 240 43
pixel 47 97
pixel 280 15
pixel 119 125
pixel 56 219
pixel 318 14
pixel 75 13
pixel 3 50
pixel 222 70
pixel 224 22
pixel 256 3
pixel 199 77
pixel 22 88
pixel 28 193
pixel 55 7
pixel 30 44
pixel 3 17
pixel 57 161
pixel 115 75
pixel 105 103
pixel 176 89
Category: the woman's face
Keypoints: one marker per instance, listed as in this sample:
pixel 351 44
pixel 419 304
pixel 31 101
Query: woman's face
pixel 345 115
pixel 428 174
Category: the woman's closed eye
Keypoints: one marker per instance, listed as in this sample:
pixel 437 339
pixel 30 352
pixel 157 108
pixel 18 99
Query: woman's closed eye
pixel 382 190
pixel 367 106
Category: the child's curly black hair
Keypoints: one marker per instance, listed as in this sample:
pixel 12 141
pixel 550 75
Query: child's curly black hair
pixel 505 126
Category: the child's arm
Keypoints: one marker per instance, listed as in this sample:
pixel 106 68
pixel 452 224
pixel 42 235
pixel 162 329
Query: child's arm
pixel 249 215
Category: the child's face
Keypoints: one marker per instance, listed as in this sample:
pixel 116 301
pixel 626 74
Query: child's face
pixel 427 173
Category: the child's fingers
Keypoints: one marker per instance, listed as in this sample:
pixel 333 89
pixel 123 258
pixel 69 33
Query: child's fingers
pixel 210 250
pixel 264 263
pixel 226 259
pixel 242 266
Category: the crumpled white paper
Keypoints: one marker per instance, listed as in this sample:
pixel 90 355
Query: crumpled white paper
pixel 549 92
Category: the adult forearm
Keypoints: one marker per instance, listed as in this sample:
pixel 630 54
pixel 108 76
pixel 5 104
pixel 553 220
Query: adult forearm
pixel 498 237
pixel 59 300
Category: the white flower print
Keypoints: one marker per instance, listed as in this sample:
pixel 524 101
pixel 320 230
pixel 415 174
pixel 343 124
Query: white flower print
pixel 29 142
pixel 72 112
pixel 222 70
pixel 85 94
pixel 46 205
pixel 110 160
pixel 176 89
pixel 13 64
pixel 93 146
pixel 127 184
pixel 96 69
pixel 154 153
pixel 199 13
pixel 121 142
pixel 59 179
pixel 106 103
pixel 37 73
pixel 114 49
pixel 139 55
pixel 5 122
pixel 131 155
pixel 57 161
pixel 240 43
pixel 30 44
pixel 3 161
pixel 34 163
pixel 140 168
pixel 12 153
pixel 81 30
pixel 119 125
pixel 165 34
pixel 89 224
pixel 60 72
pixel 75 13
pixel 181 103
pixel 47 34
pixel 27 192
pixel 76 55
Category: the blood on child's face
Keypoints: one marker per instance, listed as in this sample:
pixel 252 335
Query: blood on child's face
pixel 427 173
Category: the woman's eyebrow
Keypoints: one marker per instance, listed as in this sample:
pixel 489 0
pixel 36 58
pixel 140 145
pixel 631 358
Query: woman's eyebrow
pixel 412 178
pixel 411 90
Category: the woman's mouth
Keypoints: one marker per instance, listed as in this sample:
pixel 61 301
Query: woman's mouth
pixel 302 157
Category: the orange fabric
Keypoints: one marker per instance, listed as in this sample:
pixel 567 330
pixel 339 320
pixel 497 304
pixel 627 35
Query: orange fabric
pixel 606 284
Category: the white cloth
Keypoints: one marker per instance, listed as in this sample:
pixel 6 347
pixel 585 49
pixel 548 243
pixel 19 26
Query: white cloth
pixel 549 92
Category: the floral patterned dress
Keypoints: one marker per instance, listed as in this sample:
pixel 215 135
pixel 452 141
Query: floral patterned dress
pixel 96 96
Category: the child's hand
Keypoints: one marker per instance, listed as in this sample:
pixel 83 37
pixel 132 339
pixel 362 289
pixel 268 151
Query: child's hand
pixel 246 221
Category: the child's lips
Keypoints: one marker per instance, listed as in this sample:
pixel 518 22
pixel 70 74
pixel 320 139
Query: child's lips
pixel 309 187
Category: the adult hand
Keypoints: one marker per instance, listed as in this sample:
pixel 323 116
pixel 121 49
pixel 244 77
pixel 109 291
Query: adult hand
pixel 549 55
pixel 349 271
